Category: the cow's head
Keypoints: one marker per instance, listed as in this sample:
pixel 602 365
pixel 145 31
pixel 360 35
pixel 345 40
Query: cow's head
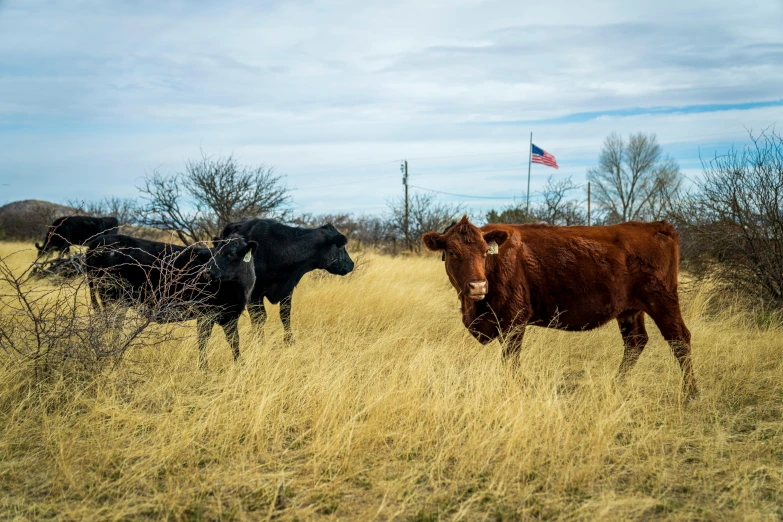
pixel 333 257
pixel 47 241
pixel 465 248
pixel 232 260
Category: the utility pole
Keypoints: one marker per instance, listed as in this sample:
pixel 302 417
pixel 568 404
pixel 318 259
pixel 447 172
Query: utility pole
pixel 404 170
pixel 529 162
pixel 588 203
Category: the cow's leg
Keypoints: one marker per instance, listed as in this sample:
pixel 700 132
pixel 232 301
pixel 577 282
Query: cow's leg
pixel 665 311
pixel 204 329
pixel 116 322
pixel 285 317
pixel 231 329
pixel 634 339
pixel 513 346
pixel 93 294
pixel 257 313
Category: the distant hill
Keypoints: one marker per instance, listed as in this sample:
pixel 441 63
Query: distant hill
pixel 35 206
pixel 28 219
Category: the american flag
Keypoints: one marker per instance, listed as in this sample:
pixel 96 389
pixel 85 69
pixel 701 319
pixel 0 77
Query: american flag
pixel 541 156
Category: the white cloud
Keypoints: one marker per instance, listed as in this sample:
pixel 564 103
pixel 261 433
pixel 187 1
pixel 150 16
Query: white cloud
pixel 95 94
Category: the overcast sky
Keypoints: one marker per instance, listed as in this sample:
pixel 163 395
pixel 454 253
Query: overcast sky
pixel 93 95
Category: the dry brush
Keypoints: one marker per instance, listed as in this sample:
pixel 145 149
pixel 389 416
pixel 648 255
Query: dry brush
pixel 387 409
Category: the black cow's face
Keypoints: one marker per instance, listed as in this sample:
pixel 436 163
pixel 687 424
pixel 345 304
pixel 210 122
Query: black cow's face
pixel 334 257
pixel 232 260
pixel 48 241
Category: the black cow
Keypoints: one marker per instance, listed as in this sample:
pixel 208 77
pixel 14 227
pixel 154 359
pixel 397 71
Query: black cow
pixel 75 230
pixel 175 283
pixel 286 254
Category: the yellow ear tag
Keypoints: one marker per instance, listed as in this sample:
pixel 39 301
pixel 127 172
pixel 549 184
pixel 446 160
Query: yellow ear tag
pixel 247 257
pixel 493 248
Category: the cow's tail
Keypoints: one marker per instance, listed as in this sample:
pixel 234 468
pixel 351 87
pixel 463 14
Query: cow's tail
pixel 673 245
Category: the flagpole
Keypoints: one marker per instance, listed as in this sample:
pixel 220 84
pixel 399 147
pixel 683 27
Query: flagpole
pixel 529 161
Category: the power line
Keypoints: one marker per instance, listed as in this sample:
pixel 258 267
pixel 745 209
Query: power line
pixel 351 182
pixel 469 155
pixel 351 167
pixel 461 195
pixel 343 168
pixel 456 156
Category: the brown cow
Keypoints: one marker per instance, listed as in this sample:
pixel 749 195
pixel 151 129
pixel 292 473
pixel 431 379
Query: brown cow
pixel 570 278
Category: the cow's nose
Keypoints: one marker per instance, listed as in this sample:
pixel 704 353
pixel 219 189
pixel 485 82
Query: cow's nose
pixel 478 288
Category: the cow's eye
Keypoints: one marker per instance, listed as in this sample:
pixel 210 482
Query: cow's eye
pixel 452 254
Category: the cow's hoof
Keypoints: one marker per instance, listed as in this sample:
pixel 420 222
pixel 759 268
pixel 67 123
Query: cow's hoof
pixel 691 397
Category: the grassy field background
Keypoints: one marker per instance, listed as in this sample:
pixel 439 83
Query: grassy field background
pixel 387 409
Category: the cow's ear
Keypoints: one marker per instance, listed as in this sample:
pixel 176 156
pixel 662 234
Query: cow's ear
pixel 434 241
pixel 496 236
pixel 247 252
pixel 340 241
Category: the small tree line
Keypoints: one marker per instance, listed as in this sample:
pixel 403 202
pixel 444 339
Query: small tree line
pixel 730 220
pixel 633 181
pixel 195 204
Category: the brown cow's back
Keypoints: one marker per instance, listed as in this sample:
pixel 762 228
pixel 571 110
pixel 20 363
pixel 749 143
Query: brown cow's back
pixel 578 278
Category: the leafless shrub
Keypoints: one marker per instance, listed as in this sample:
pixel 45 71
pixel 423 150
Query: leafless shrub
pixel 425 214
pixel 344 222
pixel 555 207
pixel 58 268
pixel 387 233
pixel 731 224
pixel 126 210
pixel 54 329
pixel 213 191
pixel 57 331
pixel 366 231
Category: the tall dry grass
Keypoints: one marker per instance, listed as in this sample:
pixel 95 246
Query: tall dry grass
pixel 386 409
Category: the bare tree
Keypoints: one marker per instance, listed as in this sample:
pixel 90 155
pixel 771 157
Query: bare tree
pixel 666 190
pixel 374 232
pixel 126 210
pixel 555 208
pixel 365 231
pixel 633 179
pixel 731 225
pixel 344 222
pixel 426 214
pixel 213 191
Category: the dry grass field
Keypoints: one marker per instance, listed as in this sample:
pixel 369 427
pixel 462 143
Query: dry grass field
pixel 387 409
